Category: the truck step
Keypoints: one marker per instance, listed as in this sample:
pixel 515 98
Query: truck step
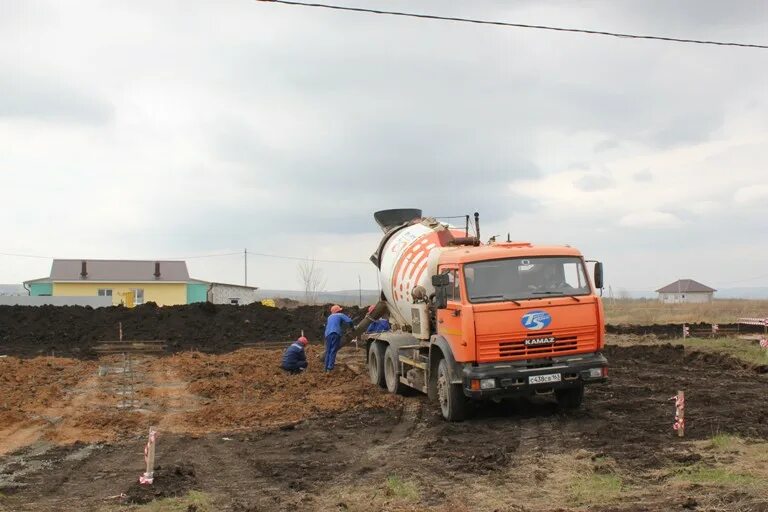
pixel 413 362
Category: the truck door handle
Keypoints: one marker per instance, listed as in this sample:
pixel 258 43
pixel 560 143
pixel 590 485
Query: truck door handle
pixel 456 312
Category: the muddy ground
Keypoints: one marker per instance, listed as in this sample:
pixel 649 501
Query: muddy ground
pixel 283 443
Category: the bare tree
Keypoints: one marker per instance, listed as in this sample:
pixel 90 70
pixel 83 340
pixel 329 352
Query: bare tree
pixel 312 280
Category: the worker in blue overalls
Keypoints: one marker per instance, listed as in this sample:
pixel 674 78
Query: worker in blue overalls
pixel 333 329
pixel 294 357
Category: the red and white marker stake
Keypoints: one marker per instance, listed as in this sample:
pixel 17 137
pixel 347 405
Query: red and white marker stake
pixel 764 343
pixel 679 424
pixel 715 328
pixel 686 331
pixel 149 457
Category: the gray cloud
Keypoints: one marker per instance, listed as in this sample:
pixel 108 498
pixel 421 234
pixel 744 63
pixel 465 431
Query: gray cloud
pixel 606 145
pixel 643 176
pixel 444 170
pixel 594 181
pixel 46 100
pixel 310 120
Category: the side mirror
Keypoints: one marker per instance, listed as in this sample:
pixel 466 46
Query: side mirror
pixel 599 275
pixel 441 297
pixel 440 280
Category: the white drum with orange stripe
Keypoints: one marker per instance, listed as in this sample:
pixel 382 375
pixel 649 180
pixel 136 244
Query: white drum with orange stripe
pixel 409 259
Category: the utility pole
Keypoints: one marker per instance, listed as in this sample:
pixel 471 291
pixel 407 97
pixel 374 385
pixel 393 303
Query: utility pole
pixel 245 259
pixel 359 292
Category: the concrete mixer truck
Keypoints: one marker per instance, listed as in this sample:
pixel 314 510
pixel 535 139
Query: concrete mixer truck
pixel 473 321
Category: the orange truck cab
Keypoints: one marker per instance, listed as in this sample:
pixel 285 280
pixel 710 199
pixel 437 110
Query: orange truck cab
pixel 501 320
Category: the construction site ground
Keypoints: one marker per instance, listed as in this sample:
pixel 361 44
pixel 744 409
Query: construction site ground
pixel 237 434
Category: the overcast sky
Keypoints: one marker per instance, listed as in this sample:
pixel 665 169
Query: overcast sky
pixel 152 129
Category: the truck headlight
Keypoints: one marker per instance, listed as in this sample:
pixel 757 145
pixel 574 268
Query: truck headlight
pixel 487 383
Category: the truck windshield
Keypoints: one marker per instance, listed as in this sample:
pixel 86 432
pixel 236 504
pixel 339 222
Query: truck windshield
pixel 525 278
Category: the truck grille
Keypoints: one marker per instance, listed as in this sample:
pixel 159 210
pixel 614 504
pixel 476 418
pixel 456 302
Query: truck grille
pixel 567 341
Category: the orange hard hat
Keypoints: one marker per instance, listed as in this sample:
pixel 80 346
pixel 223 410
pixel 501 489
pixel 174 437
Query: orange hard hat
pixel 303 340
pixel 335 308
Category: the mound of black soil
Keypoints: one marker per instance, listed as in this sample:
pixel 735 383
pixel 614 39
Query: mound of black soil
pixel 73 330
pixel 169 482
pixel 668 331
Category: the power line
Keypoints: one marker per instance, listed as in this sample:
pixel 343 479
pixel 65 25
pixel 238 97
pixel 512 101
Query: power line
pixel 203 256
pixel 26 256
pixel 754 278
pixel 515 25
pixel 298 258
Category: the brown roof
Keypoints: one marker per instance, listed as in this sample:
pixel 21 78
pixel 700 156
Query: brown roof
pixel 119 270
pixel 686 286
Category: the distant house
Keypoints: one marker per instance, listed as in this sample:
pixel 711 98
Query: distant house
pixel 128 282
pixel 235 294
pixel 685 290
pixel 134 282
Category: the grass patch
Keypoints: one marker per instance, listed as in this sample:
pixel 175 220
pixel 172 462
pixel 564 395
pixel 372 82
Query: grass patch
pixel 703 475
pixel 741 349
pixel 596 489
pixel 724 442
pixel 405 489
pixel 193 501
pixel 650 311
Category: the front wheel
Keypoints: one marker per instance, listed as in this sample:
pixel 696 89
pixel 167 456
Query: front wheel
pixel 570 398
pixel 453 405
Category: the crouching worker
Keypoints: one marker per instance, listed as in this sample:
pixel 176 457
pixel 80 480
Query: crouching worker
pixel 294 357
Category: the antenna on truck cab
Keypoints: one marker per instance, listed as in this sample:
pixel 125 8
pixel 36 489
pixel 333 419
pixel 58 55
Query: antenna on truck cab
pixel 477 225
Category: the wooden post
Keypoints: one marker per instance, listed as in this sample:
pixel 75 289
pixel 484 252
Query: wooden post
pixel 680 414
pixel 149 458
pixel 120 330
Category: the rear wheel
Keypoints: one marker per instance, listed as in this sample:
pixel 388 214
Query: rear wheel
pixel 570 398
pixel 376 364
pixel 453 405
pixel 391 376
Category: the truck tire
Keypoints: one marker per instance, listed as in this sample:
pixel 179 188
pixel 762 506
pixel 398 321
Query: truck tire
pixel 376 364
pixel 391 377
pixel 570 398
pixel 453 405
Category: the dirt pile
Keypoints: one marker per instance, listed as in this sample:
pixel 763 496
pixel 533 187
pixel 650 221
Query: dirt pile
pixel 247 389
pixel 73 330
pixel 32 391
pixel 66 400
pixel 670 331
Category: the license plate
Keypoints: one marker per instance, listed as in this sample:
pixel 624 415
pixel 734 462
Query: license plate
pixel 544 379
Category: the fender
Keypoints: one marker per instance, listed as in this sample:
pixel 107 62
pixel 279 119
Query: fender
pixel 438 349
